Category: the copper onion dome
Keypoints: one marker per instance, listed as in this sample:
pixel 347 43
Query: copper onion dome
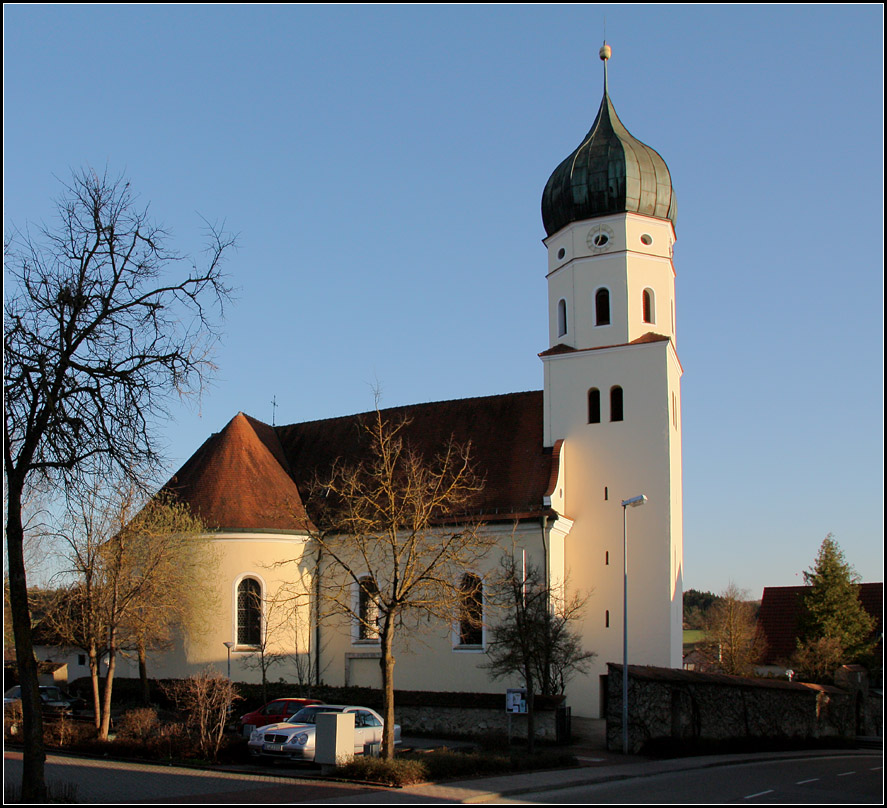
pixel 610 172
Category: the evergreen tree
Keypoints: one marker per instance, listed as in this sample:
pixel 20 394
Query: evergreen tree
pixel 832 609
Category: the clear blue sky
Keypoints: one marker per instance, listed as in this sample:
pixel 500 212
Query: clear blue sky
pixel 384 166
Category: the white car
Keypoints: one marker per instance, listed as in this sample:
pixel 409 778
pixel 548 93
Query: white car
pixel 295 739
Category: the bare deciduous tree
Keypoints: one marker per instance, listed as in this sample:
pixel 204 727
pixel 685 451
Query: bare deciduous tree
pixel 395 540
pixel 535 638
pixel 731 631
pixel 100 328
pixel 136 568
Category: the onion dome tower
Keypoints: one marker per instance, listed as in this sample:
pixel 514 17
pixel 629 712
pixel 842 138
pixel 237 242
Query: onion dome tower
pixel 612 398
pixel 609 172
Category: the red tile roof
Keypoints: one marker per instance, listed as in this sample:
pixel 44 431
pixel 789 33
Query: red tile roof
pixel 249 476
pixel 781 609
pixel 239 480
pixel 650 336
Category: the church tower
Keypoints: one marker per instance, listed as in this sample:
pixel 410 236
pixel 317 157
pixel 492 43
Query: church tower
pixel 613 389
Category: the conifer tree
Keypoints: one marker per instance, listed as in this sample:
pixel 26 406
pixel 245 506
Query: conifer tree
pixel 833 614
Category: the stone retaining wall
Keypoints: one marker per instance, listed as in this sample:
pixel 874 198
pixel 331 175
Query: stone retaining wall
pixel 472 722
pixel 685 705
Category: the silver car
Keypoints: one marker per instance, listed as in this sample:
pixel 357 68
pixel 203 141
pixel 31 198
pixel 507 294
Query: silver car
pixel 295 739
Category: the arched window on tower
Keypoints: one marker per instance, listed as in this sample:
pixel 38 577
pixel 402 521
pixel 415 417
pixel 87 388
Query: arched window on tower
pixel 594 406
pixel 616 403
pixel 249 612
pixel 471 610
pixel 561 317
pixel 649 306
pixel 602 307
pixel 368 610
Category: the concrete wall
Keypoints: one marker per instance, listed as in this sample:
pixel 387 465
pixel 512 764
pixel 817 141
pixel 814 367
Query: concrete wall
pixel 686 706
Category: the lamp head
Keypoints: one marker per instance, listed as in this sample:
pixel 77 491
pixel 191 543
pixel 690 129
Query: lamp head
pixel 633 502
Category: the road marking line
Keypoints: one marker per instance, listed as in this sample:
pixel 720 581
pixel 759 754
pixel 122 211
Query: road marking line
pixel 759 794
pixel 804 782
pixel 844 774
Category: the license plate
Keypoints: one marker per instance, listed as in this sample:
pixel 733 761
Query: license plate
pixel 272 747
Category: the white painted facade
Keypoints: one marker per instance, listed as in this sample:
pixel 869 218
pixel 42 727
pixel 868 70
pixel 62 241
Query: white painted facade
pixel 610 461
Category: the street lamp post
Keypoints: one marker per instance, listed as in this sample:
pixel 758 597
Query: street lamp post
pixel 229 645
pixel 632 502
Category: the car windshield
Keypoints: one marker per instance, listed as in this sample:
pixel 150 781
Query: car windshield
pixel 308 715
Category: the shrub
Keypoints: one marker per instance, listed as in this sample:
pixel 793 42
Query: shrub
pixel 139 725
pixel 397 772
pixel 205 701
pixel 65 731
pixel 447 764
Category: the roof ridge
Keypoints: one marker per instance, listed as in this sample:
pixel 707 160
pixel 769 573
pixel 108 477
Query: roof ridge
pixel 408 407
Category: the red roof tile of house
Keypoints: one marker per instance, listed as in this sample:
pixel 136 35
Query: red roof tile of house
pixel 249 476
pixel 781 609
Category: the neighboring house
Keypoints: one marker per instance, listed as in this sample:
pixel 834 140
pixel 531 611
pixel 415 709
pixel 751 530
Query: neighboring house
pixel 781 608
pixel 558 462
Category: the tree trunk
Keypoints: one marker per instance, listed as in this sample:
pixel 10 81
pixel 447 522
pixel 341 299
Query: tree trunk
pixel 143 673
pixel 95 676
pixel 34 755
pixel 531 716
pixel 386 663
pixel 106 701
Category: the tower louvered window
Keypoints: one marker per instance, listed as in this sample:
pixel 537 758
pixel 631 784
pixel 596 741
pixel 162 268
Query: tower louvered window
pixel 602 307
pixel 616 403
pixel 648 306
pixel 594 406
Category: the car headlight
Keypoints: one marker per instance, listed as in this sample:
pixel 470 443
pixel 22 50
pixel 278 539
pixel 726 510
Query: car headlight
pixel 255 736
pixel 301 739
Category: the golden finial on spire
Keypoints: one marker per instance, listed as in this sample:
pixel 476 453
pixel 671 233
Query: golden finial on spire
pixel 605 53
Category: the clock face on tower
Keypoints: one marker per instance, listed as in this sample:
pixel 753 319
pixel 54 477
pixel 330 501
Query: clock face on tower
pixel 599 238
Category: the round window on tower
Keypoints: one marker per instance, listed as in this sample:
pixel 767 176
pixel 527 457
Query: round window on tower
pixel 646 239
pixel 561 253
pixel 600 239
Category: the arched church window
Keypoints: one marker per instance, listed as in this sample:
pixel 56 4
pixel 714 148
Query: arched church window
pixel 561 317
pixel 649 309
pixel 368 609
pixel 602 307
pixel 594 406
pixel 249 612
pixel 471 610
pixel 616 403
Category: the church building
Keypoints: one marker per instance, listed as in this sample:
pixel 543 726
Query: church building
pixel 559 463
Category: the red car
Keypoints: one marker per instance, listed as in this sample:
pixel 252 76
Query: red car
pixel 272 713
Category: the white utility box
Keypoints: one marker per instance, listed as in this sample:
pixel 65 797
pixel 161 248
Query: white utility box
pixel 334 738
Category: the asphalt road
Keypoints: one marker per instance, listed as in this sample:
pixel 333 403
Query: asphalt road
pixel 841 779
